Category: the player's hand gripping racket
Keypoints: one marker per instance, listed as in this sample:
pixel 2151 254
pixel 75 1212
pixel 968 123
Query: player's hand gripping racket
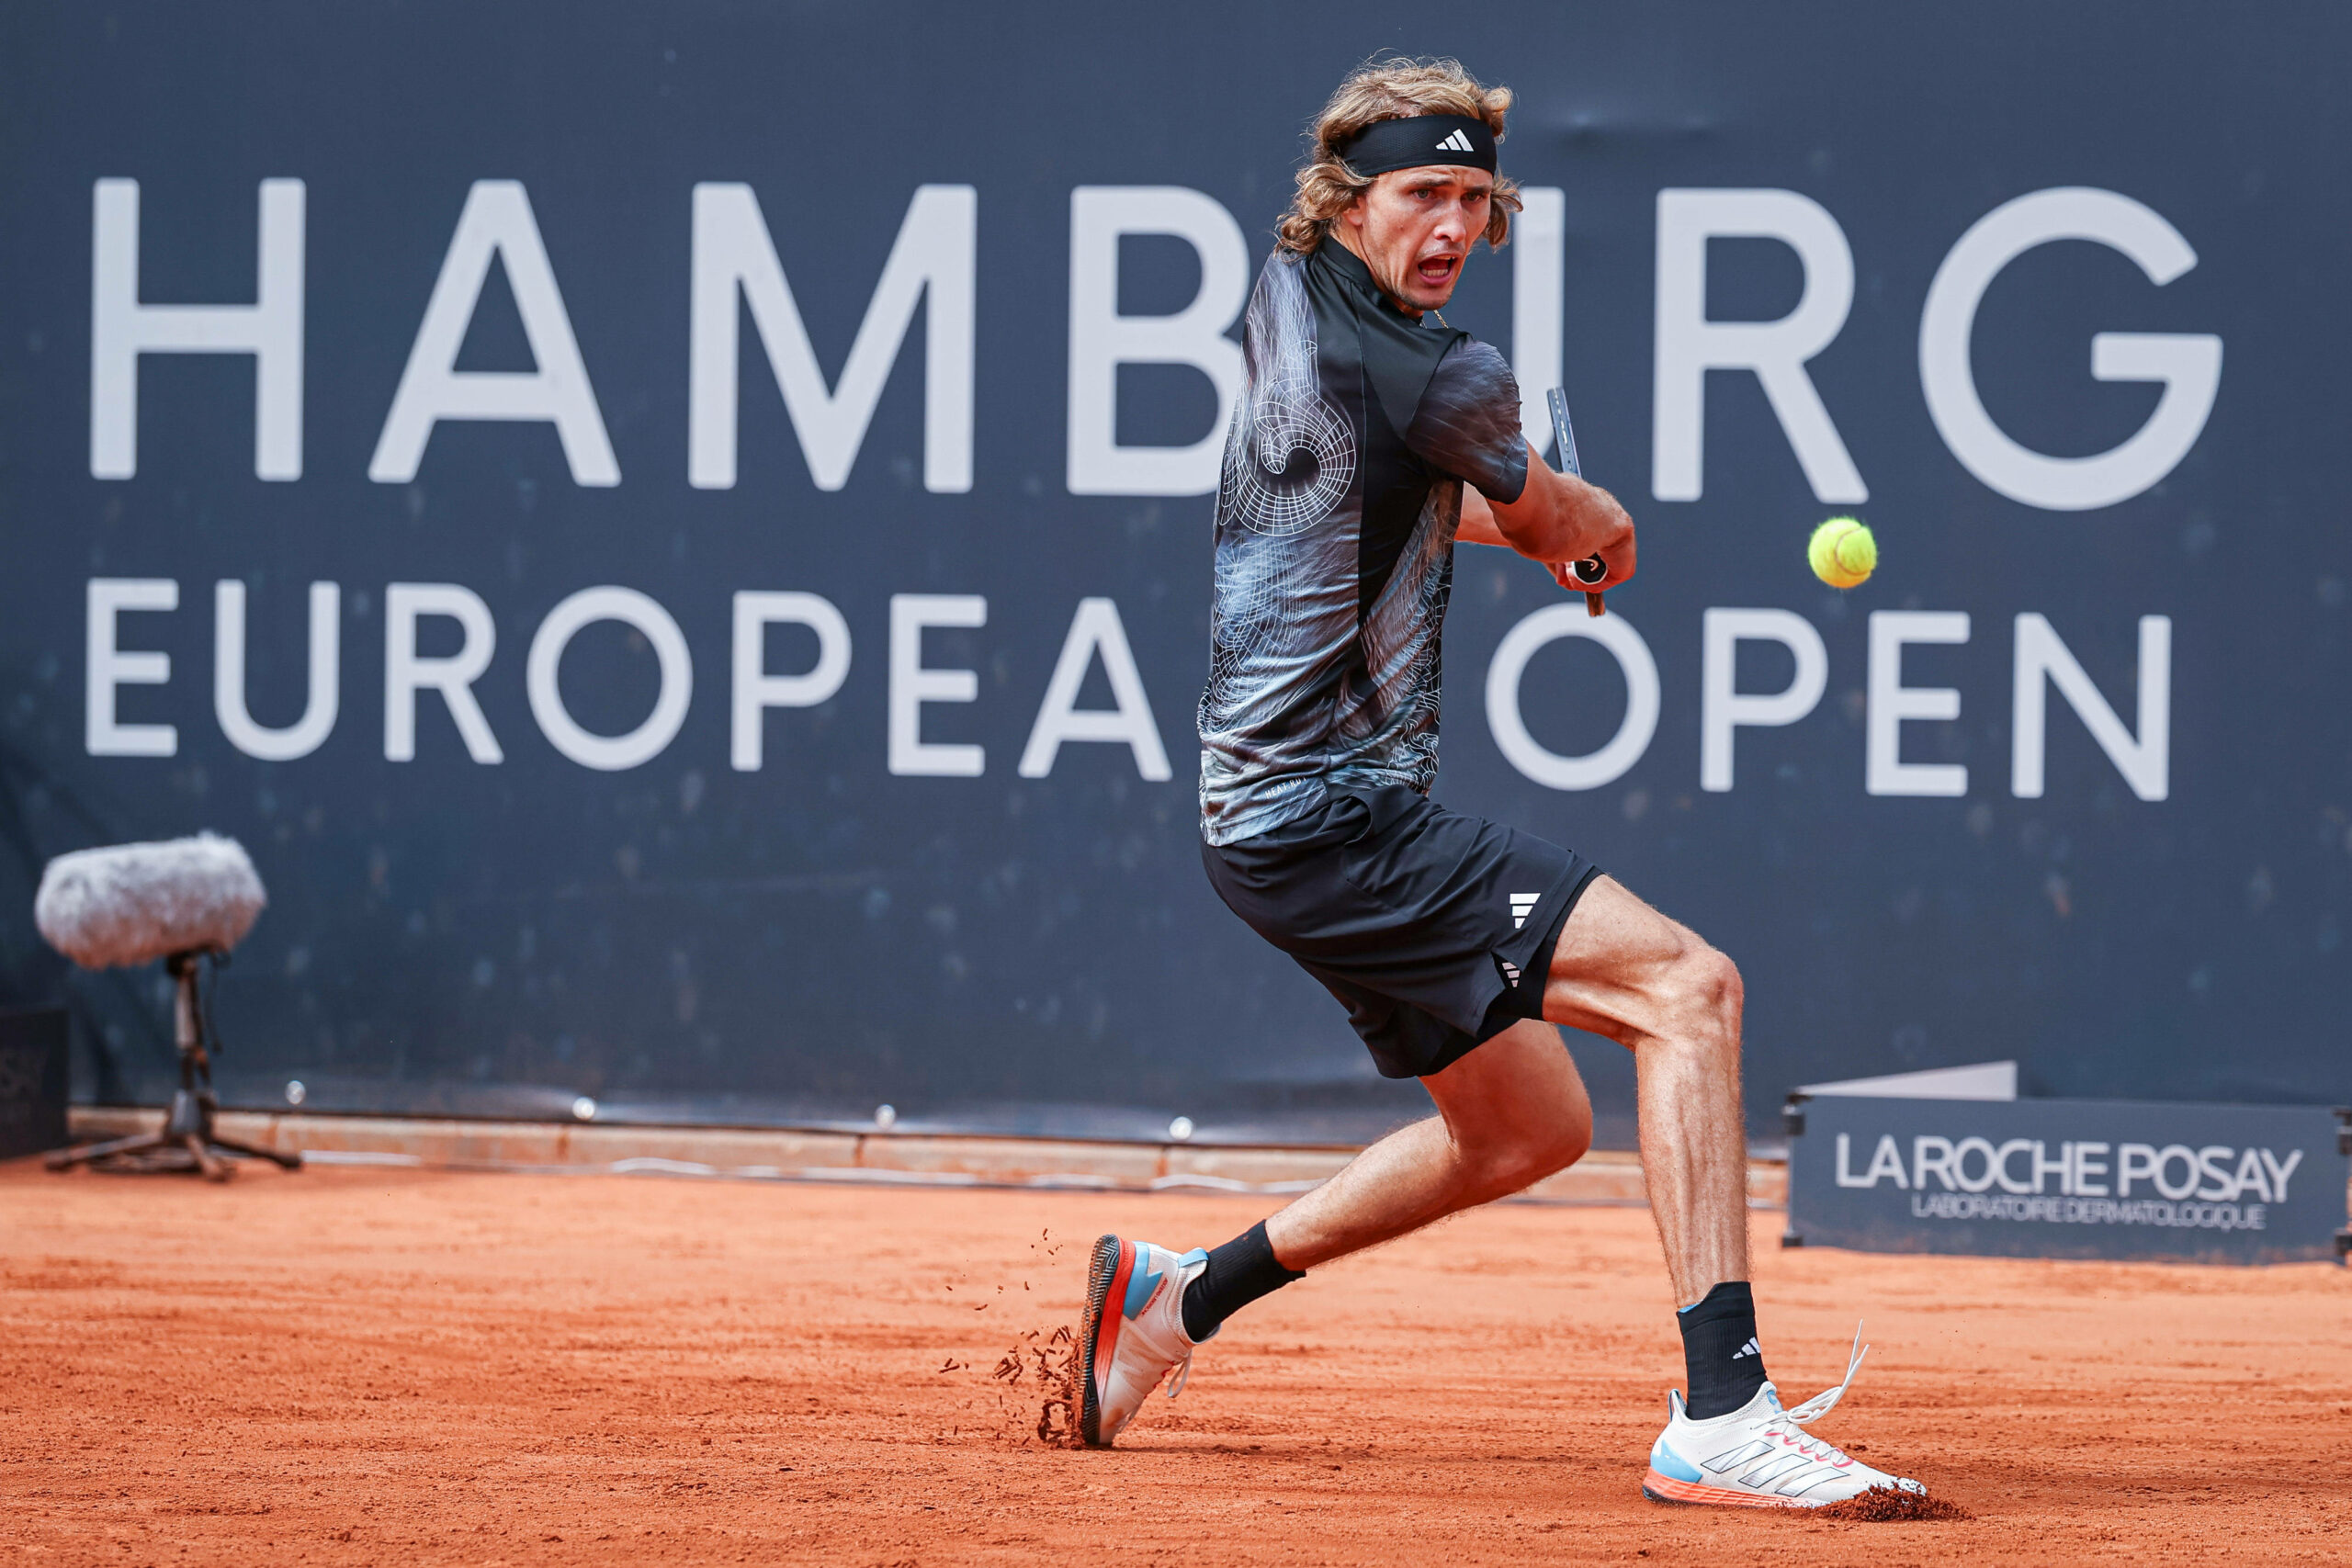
pixel 1592 568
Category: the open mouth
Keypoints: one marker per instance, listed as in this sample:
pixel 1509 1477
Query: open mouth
pixel 1437 271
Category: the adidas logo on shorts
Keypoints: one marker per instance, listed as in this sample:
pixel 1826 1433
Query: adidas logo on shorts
pixel 1523 904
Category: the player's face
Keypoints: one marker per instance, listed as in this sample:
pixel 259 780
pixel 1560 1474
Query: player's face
pixel 1414 227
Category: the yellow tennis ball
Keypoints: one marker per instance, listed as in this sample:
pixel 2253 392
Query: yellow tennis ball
pixel 1843 553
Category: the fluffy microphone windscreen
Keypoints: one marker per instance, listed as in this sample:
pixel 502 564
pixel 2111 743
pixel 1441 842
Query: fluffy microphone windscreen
pixel 135 903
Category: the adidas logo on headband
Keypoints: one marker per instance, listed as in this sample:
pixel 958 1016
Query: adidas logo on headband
pixel 1420 141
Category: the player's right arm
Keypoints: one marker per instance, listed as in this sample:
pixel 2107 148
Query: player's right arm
pixel 1467 425
pixel 1557 518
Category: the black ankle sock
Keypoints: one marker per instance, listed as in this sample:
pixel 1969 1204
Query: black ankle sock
pixel 1239 1273
pixel 1720 1352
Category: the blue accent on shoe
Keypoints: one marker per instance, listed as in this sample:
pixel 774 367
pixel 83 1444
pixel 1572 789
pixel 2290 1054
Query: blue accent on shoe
pixel 1666 1463
pixel 1142 1282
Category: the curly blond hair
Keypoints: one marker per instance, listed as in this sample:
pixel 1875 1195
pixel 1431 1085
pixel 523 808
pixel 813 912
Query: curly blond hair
pixel 1394 88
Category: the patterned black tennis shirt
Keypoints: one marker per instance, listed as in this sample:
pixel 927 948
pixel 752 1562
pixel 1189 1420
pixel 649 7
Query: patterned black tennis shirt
pixel 1355 430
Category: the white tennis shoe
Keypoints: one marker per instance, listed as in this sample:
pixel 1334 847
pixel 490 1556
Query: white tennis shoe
pixel 1134 1332
pixel 1760 1456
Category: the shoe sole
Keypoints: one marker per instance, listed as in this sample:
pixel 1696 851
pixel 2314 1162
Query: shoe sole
pixel 1667 1489
pixel 1103 1278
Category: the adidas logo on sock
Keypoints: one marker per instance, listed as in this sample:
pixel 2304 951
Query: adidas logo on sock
pixel 1750 1349
pixel 1522 904
pixel 1457 142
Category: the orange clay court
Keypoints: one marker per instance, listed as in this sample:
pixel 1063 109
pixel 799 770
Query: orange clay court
pixel 360 1367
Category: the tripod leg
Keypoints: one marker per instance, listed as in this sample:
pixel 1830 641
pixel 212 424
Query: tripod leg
pixel 138 1143
pixel 214 1169
pixel 291 1162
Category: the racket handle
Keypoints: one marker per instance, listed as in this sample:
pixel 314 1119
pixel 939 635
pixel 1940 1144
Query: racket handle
pixel 1590 569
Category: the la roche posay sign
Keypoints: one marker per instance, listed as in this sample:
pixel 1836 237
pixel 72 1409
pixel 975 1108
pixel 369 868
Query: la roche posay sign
pixel 2069 1179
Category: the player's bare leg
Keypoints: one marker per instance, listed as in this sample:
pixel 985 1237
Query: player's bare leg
pixel 1626 972
pixel 1509 1113
pixel 1514 1111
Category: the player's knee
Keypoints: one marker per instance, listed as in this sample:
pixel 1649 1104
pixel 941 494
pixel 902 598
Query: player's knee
pixel 1504 1165
pixel 1571 1136
pixel 1727 993
pixel 1708 997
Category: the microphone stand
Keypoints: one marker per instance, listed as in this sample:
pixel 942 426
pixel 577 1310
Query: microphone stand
pixel 188 1141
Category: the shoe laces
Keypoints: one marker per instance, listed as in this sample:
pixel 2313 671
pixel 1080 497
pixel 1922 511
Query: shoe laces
pixel 1791 1423
pixel 1183 1370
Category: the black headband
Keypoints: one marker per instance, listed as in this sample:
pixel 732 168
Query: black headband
pixel 1433 138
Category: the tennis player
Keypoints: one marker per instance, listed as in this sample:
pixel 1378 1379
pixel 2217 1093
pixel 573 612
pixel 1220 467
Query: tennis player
pixel 1369 438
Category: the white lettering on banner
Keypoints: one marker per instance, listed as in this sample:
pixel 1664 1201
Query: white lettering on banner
pixel 2188 364
pixel 107 667
pixel 496 224
pixel 2187 1159
pixel 1508 727
pixel 1923 1147
pixel 2024 1167
pixel 1960 1151
pixel 934 258
pixel 913 684
pixel 1539 284
pixel 1892 702
pixel 2062 1168
pixel 1095 629
pixel 122 328
pixel 756 691
pixel 1098 629
pixel 932 262
pixel 319 707
pixel 1885 1160
pixel 2251 1174
pixel 407 672
pixel 1101 339
pixel 1723 708
pixel 609 753
pixel 1688 344
pixel 2090 1212
pixel 2145 762
pixel 2280 1171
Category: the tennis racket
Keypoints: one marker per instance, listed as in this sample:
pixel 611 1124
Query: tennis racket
pixel 1591 568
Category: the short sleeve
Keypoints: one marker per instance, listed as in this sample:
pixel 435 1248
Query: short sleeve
pixel 1467 425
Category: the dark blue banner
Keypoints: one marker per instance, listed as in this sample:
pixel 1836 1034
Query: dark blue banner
pixel 2071 1179
pixel 678 537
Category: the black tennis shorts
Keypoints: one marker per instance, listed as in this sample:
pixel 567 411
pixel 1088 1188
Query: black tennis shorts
pixel 1434 930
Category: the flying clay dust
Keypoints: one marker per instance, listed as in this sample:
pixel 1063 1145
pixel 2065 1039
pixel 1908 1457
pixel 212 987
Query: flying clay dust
pixel 1040 1374
pixel 1885 1505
